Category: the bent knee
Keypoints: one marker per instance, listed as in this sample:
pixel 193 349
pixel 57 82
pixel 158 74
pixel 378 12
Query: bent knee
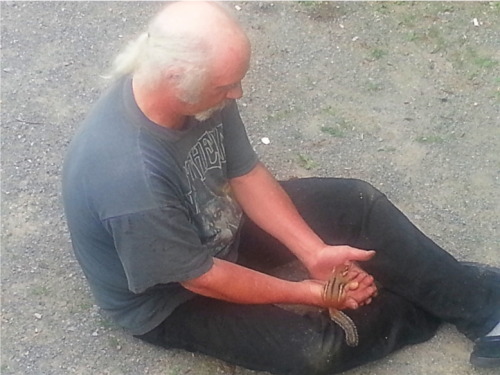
pixel 364 190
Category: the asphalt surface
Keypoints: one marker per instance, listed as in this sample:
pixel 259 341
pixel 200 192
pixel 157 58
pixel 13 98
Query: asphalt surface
pixel 404 95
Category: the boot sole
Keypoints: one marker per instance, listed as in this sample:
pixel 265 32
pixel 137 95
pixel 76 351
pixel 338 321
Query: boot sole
pixel 485 362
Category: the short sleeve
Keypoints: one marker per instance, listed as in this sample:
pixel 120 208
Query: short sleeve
pixel 240 155
pixel 158 246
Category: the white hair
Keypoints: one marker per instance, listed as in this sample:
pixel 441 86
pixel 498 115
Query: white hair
pixel 150 56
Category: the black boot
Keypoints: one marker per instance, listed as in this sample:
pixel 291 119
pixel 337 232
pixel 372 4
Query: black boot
pixel 486 352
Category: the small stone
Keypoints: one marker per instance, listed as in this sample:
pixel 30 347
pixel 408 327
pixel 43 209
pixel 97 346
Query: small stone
pixel 38 316
pixel 265 140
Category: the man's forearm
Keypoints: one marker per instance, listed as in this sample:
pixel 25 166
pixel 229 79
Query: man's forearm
pixel 267 204
pixel 231 282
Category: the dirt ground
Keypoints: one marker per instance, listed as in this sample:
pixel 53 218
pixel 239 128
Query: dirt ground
pixel 404 95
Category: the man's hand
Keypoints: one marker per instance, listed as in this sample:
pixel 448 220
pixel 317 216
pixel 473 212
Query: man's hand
pixel 328 257
pixel 361 286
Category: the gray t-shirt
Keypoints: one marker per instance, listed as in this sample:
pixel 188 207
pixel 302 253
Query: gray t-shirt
pixel 148 207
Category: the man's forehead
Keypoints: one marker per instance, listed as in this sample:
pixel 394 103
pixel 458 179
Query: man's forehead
pixel 231 67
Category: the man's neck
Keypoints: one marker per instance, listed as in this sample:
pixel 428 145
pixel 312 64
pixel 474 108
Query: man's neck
pixel 152 104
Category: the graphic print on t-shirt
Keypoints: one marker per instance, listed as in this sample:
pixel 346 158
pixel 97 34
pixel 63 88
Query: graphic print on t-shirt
pixel 216 214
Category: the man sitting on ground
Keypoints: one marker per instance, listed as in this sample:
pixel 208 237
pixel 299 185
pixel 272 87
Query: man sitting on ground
pixel 176 224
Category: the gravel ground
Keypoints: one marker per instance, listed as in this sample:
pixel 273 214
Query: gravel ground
pixel 404 95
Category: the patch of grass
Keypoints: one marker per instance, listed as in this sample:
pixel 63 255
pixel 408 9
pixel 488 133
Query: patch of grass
pixel 378 53
pixel 40 290
pixel 281 115
pixel 473 60
pixel 412 36
pixel 310 3
pixel 409 20
pixel 339 124
pixel 335 132
pixel 329 111
pixel 434 35
pixel 80 307
pixel 430 139
pixel 306 162
pixel 443 7
pixel 383 7
pixel 373 86
pixel 485 62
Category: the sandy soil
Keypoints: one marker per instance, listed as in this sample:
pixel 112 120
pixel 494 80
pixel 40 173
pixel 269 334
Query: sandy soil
pixel 404 95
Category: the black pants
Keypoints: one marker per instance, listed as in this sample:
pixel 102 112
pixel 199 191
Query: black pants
pixel 422 286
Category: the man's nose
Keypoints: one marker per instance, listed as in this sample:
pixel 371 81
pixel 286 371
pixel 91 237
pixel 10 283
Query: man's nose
pixel 236 92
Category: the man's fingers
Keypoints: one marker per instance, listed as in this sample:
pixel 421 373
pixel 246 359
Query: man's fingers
pixel 366 302
pixel 360 276
pixel 361 295
pixel 351 304
pixel 361 255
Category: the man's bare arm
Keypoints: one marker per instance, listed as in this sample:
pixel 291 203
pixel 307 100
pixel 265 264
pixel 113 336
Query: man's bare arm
pixel 267 204
pixel 234 283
